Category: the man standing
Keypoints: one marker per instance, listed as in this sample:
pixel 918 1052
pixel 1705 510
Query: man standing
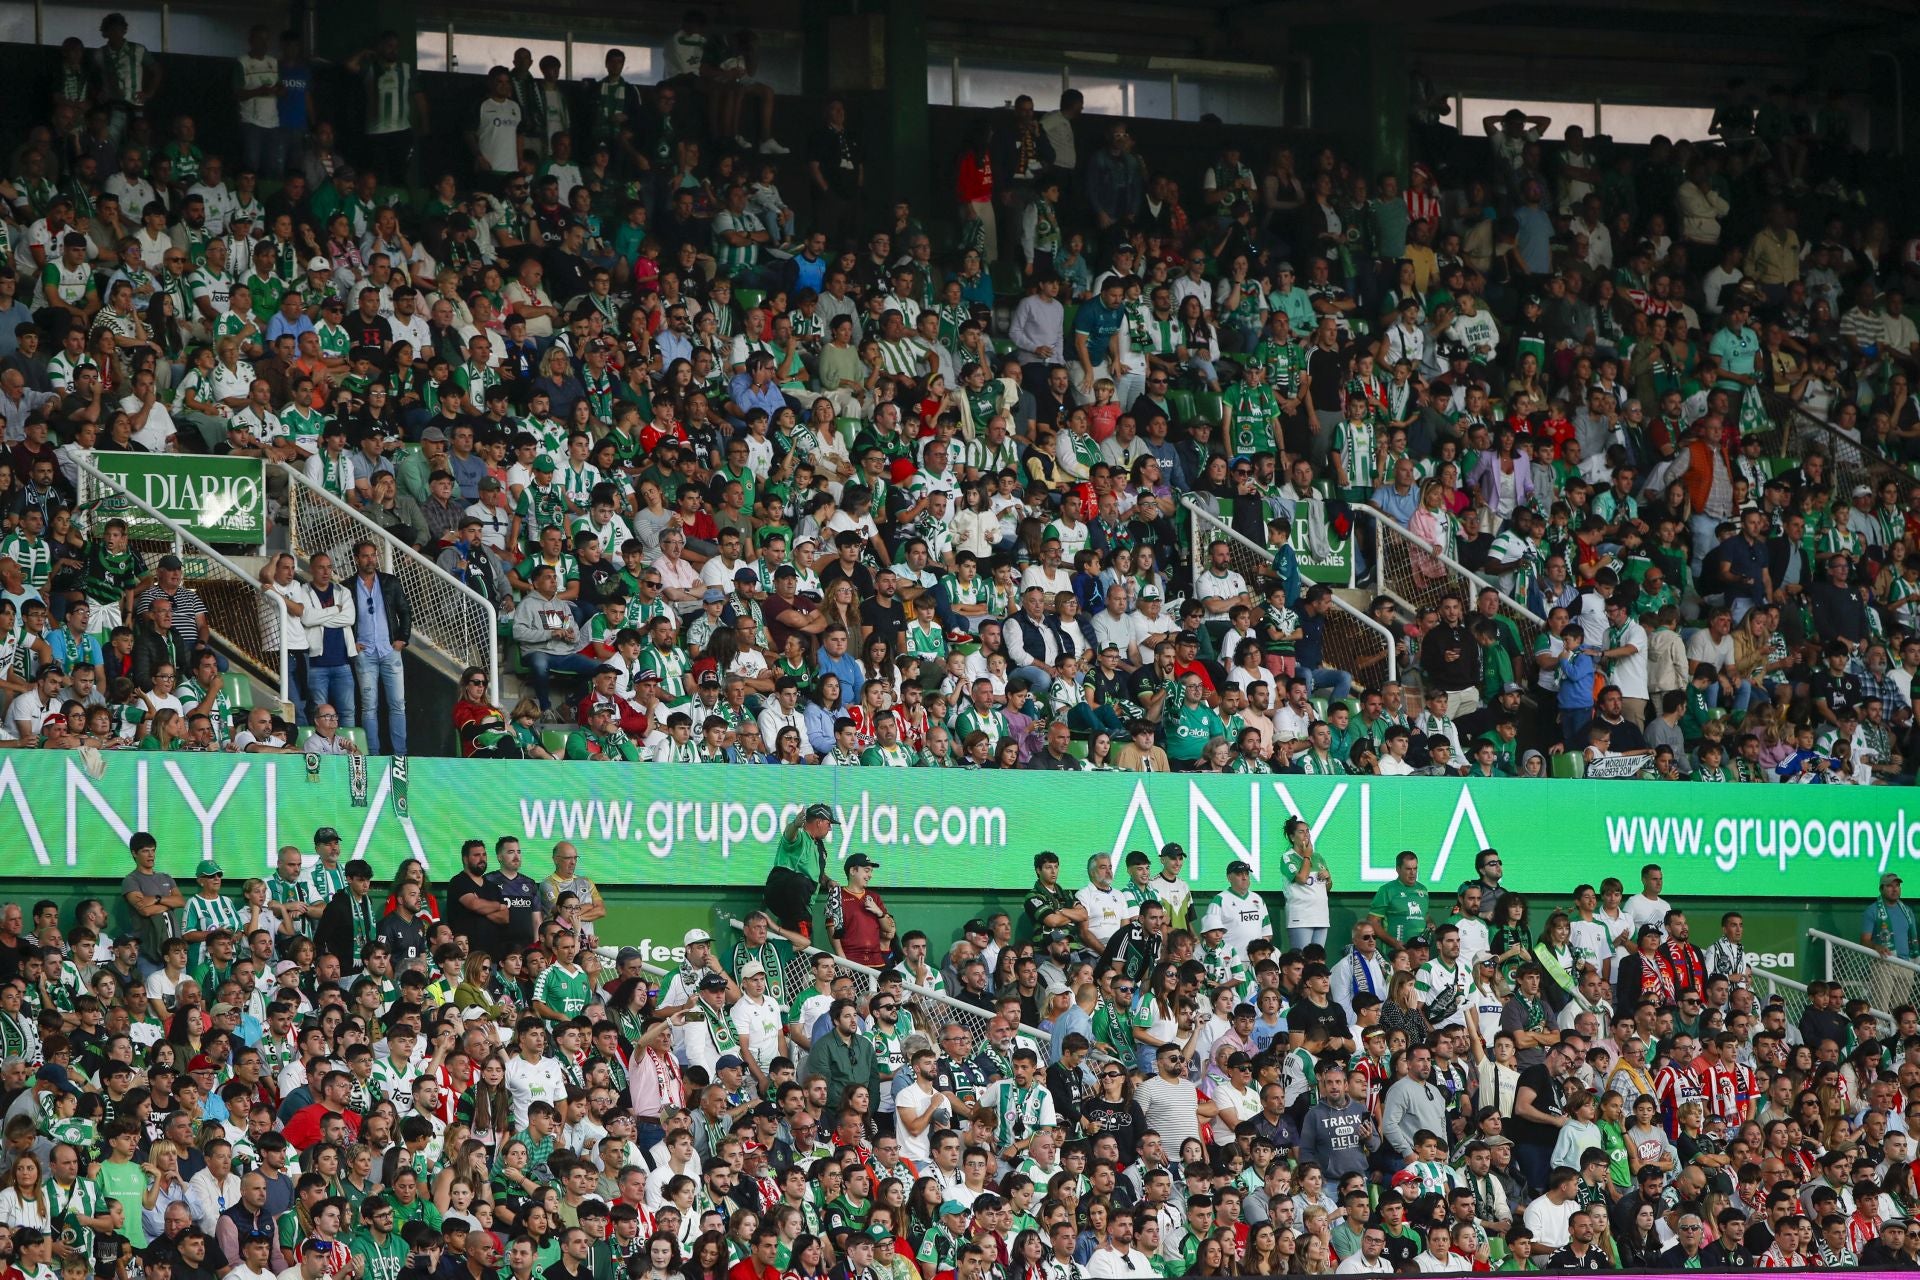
pixel 799 867
pixel 1169 1101
pixel 152 896
pixel 1888 926
pixel 350 920
pixel 383 624
pixel 861 925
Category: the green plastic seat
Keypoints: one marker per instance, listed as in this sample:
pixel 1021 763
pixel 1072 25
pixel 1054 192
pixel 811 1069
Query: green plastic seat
pixel 1566 764
pixel 1077 749
pixel 1008 282
pixel 749 297
pixel 1207 405
pixel 554 740
pixel 239 690
pixel 1181 402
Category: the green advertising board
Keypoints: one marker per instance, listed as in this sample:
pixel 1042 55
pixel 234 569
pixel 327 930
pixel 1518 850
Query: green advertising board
pixel 222 499
pixel 716 825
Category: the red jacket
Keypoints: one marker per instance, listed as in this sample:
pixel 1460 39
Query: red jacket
pixel 303 1129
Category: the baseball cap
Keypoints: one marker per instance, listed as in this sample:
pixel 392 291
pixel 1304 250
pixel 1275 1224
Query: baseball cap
pixel 713 982
pixel 1891 877
pixel 953 1207
pixel 693 935
pixel 729 1060
pixel 752 969
pixel 208 867
pixel 1237 866
pixel 435 434
pixel 543 462
pixel 326 835
pixel 861 860
pixel 815 812
pixel 318 263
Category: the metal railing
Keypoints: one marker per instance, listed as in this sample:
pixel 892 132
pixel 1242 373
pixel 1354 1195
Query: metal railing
pixel 450 618
pixel 1415 574
pixel 1353 642
pixel 244 619
pixel 1793 995
pixel 1796 433
pixel 1884 982
pixel 611 955
pixel 932 1011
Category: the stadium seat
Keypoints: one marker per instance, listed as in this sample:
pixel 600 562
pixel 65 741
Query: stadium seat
pixel 554 740
pixel 1008 282
pixel 748 297
pixel 1207 405
pixel 1566 764
pixel 1181 402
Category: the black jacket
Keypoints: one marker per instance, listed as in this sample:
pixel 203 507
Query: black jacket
pixel 153 648
pixel 399 609
pixel 334 933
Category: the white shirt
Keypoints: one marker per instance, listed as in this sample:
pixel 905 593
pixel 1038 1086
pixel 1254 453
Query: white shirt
pixel 1452 1263
pixel 1630 673
pixel 531 1082
pixel 773 720
pixel 216 1197
pixel 1247 918
pixel 1548 1221
pixel 497 134
pixel 758 1024
pixel 1106 910
pixel 1355 1264
pixel 1111 1263
pixel 1644 910
pixel 914 1098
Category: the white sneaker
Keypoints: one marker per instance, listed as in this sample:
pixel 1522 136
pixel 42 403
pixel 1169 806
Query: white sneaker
pixel 740 141
pixel 772 147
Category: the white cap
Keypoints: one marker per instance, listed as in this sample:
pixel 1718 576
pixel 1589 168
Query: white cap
pixel 752 969
pixel 694 935
pixel 318 263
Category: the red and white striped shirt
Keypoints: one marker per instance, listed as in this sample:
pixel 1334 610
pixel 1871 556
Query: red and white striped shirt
pixel 1423 206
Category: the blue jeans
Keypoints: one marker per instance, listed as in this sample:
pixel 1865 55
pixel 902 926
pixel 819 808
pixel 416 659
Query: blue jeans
pixel 1573 726
pixel 1332 681
pixel 1298 938
pixel 540 665
pixel 334 686
pixel 1037 680
pixel 383 681
pixel 1743 696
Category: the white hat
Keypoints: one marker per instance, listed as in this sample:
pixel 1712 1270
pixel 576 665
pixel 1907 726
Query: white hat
pixel 1213 918
pixel 317 263
pixel 752 969
pixel 695 934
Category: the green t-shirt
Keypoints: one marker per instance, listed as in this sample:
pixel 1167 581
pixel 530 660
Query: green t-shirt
pixel 126 1183
pixel 566 992
pixel 798 852
pixel 1403 907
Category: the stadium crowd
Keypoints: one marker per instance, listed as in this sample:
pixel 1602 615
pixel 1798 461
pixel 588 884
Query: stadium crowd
pixel 477 1079
pixel 727 435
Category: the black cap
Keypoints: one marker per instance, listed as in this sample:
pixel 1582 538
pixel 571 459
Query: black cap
pixel 1237 866
pixel 861 860
pixel 1172 851
pixel 815 812
pixel 713 982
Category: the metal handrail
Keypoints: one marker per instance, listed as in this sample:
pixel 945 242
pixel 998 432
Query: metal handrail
pixel 1479 583
pixel 183 539
pixel 1220 528
pixel 1834 940
pixel 872 976
pixel 612 956
pixel 393 549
